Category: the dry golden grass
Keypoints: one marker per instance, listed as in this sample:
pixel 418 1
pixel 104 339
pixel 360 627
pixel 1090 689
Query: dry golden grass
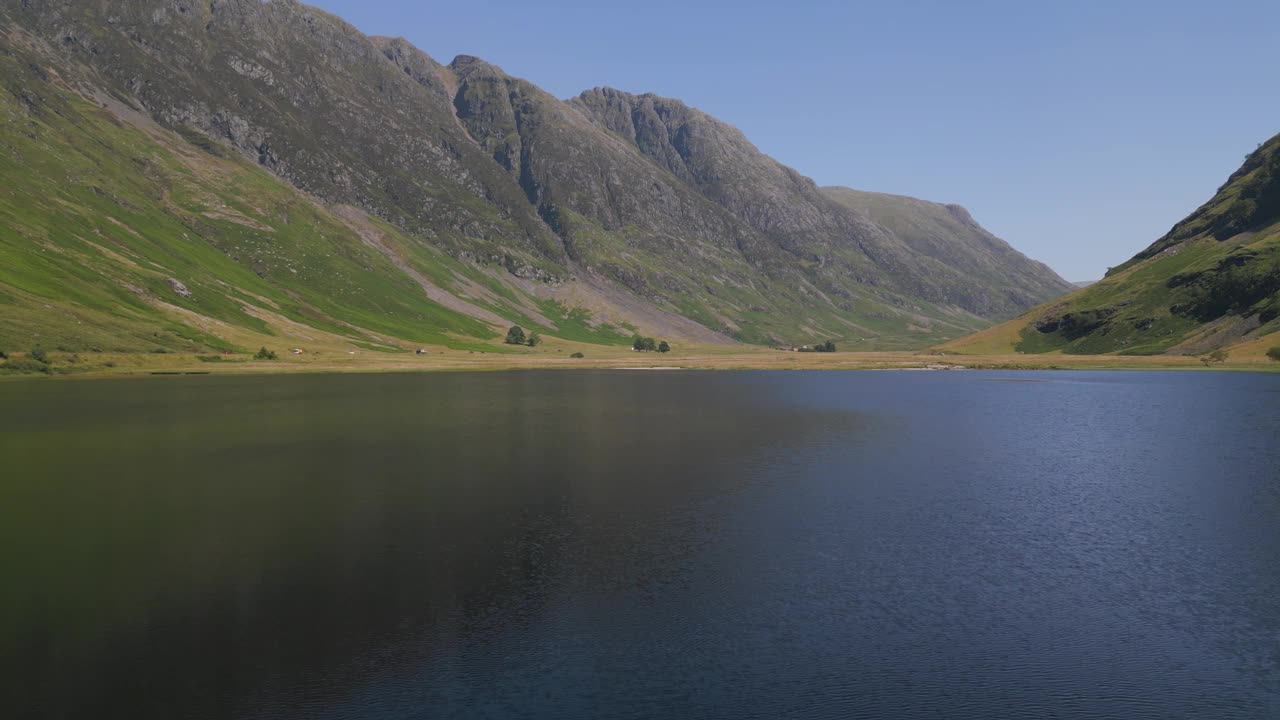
pixel 997 340
pixel 1255 350
pixel 555 355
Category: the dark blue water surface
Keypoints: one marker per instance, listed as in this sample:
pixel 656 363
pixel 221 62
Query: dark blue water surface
pixel 642 545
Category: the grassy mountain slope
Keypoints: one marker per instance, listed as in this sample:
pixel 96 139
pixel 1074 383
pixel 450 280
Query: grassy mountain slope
pixel 1213 281
pixel 130 238
pixel 303 94
pixel 203 174
pixel 950 235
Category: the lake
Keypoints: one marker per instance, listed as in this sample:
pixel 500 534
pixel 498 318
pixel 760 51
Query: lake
pixel 612 544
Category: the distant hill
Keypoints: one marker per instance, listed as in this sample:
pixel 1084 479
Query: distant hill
pixel 215 175
pixel 1213 281
pixel 949 235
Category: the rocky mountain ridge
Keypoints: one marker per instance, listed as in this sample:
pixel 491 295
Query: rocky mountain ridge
pixel 625 211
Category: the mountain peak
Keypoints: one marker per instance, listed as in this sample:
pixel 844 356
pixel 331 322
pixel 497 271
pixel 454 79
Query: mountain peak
pixel 608 91
pixel 611 95
pixel 961 213
pixel 401 51
pixel 467 64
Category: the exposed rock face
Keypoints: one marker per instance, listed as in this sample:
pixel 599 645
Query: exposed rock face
pixel 178 287
pixel 634 191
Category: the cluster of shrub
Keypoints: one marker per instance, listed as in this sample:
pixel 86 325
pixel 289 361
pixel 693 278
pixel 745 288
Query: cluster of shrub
pixel 516 336
pixel 648 344
pixel 828 346
pixel 36 361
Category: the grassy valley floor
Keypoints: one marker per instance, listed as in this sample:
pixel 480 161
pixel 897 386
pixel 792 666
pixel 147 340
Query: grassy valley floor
pixel 555 354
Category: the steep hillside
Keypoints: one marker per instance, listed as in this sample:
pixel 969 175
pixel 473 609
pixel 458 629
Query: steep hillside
pixel 840 249
pixel 1212 281
pixel 292 175
pixel 127 237
pixel 950 235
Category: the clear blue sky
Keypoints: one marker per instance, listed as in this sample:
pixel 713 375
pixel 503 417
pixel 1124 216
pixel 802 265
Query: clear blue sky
pixel 1079 131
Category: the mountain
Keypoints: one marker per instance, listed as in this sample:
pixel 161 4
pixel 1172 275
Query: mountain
pixel 1213 281
pixel 950 235
pixel 213 174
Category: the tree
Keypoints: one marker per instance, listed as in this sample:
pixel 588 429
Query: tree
pixel 1217 356
pixel 534 339
pixel 1274 353
pixel 828 346
pixel 515 336
pixel 663 347
pixel 4 355
pixel 264 354
pixel 577 355
pixel 39 355
pixel 644 344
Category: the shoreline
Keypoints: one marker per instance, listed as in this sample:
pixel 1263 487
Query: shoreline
pixel 108 365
